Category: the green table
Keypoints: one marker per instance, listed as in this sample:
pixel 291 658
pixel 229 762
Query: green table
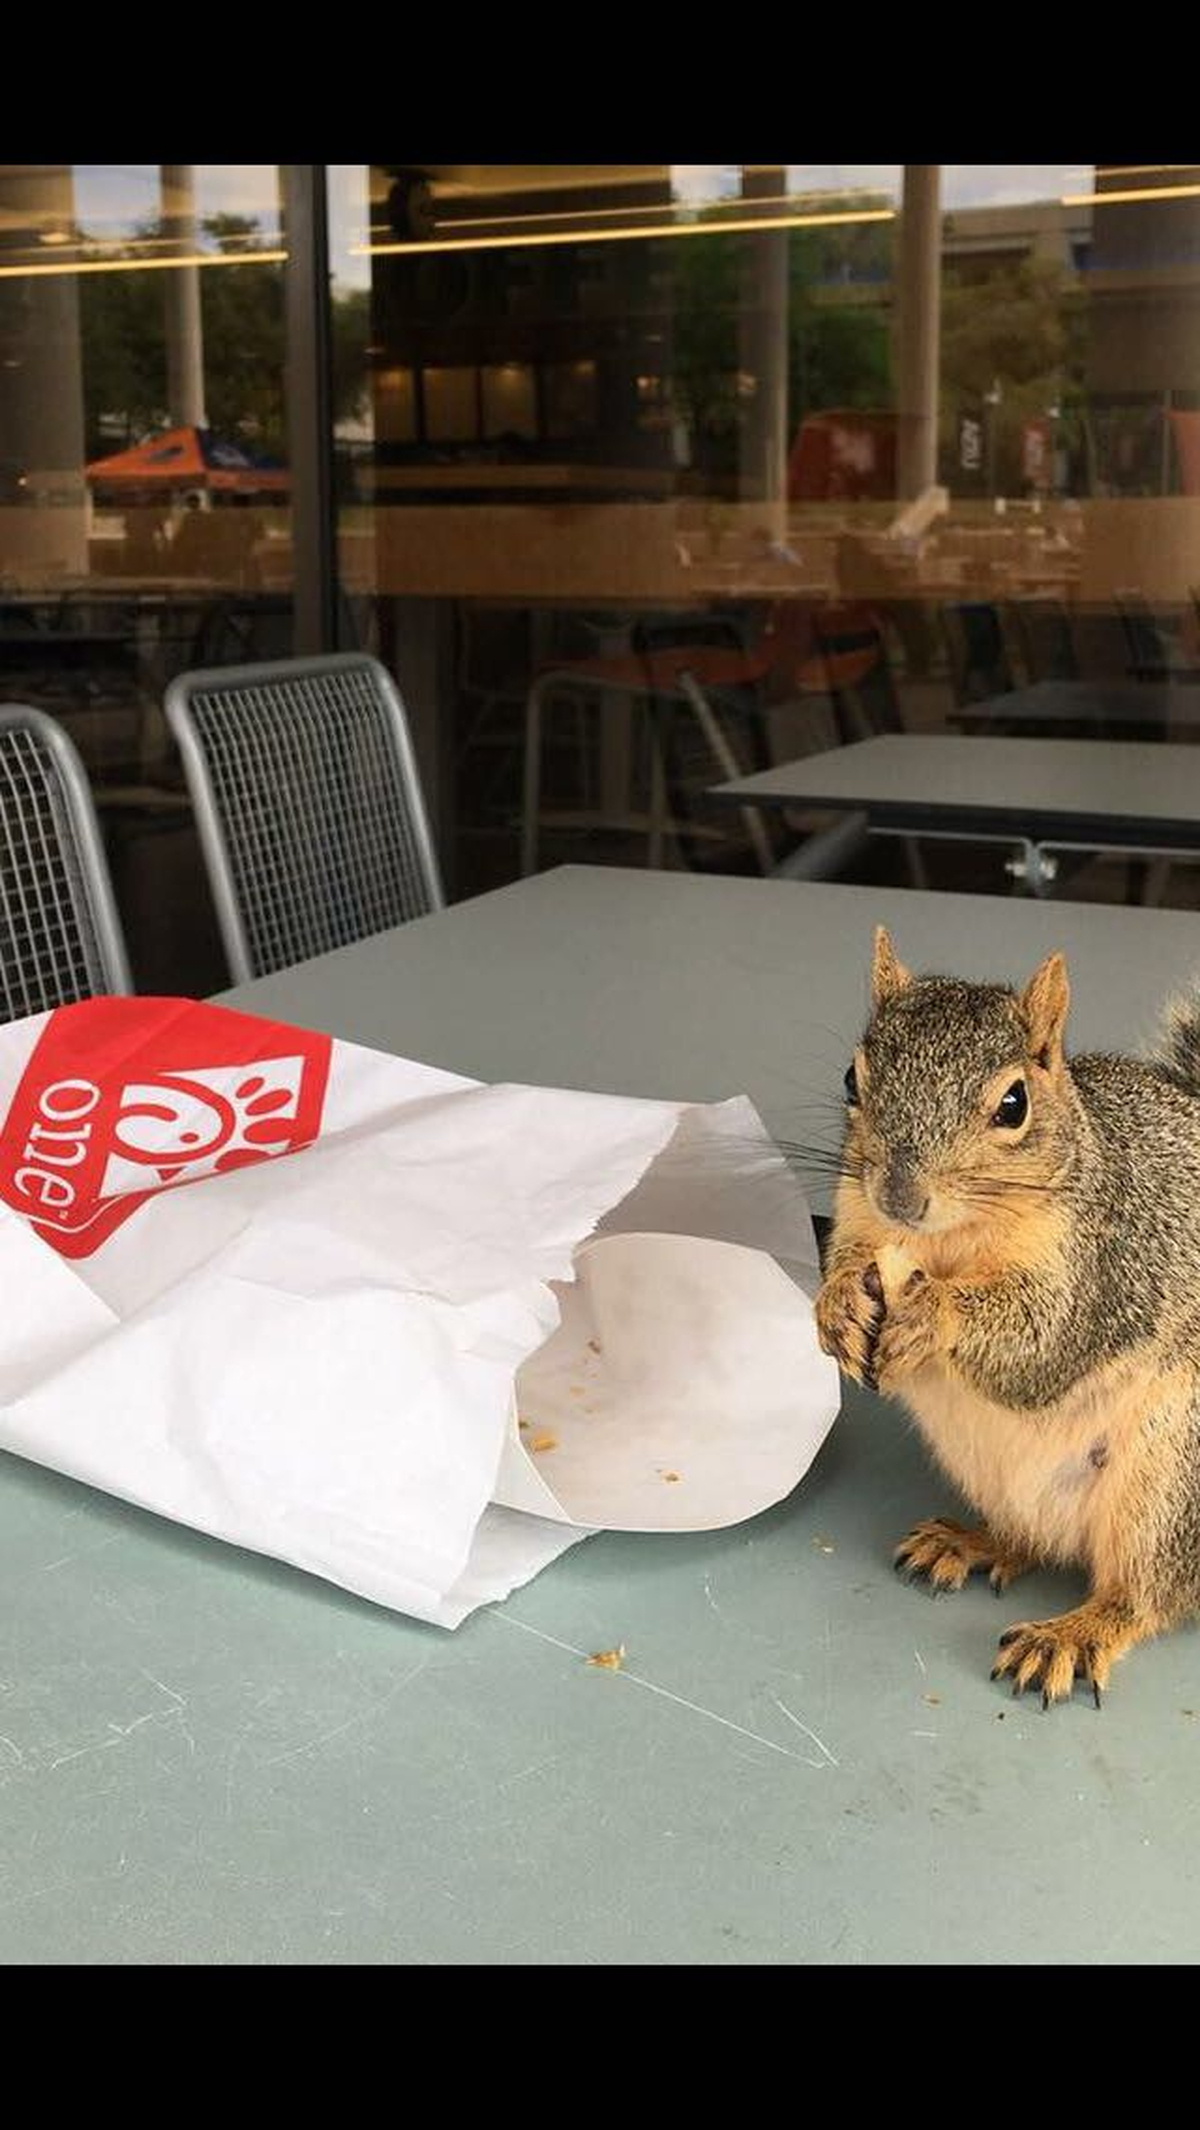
pixel 208 1757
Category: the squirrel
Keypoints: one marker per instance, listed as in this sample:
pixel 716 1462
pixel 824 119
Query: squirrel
pixel 1015 1254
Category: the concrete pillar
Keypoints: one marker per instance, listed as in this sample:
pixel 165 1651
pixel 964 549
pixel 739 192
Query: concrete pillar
pixel 43 495
pixel 917 284
pixel 763 348
pixel 181 292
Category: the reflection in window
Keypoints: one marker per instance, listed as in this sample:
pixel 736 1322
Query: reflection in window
pixel 509 400
pixel 451 405
pixel 570 398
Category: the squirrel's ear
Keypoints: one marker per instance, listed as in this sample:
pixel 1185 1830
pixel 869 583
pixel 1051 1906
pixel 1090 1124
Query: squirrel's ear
pixel 1044 1002
pixel 888 973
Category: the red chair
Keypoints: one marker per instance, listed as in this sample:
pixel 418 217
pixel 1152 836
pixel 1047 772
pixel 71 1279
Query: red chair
pixel 708 658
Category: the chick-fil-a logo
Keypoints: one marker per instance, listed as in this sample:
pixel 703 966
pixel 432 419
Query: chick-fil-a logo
pixel 122 1098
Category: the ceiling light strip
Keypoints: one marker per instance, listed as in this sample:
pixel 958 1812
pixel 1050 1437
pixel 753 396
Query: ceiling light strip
pixel 143 266
pixel 623 235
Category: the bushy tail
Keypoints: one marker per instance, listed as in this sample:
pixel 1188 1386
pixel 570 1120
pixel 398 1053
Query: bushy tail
pixel 1176 1049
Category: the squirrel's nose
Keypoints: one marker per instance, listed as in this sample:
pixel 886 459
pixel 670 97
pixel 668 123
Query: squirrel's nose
pixel 901 1195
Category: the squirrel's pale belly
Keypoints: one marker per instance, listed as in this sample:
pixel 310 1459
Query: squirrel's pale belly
pixel 1049 1480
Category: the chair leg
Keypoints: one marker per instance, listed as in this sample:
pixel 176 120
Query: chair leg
pixel 658 797
pixel 1157 875
pixel 723 755
pixel 916 863
pixel 531 804
pixel 824 854
pixel 583 760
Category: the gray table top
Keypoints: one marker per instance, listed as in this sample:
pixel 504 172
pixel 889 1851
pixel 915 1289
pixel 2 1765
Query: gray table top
pixel 1129 705
pixel 208 1757
pixel 1121 790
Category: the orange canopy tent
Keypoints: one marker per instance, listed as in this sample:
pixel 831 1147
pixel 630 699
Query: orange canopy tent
pixel 187 459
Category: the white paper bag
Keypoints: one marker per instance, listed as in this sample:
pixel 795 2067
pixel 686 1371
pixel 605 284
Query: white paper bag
pixel 329 1358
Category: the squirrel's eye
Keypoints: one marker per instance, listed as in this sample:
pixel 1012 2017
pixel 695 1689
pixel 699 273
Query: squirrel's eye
pixel 1014 1106
pixel 850 1083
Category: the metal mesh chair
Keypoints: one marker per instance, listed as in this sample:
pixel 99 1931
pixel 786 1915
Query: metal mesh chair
pixel 858 669
pixel 1043 632
pixel 308 804
pixel 60 936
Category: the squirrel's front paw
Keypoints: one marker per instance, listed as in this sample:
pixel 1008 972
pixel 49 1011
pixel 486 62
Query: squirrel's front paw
pixel 1051 1654
pixel 946 1553
pixel 849 1307
pixel 915 1331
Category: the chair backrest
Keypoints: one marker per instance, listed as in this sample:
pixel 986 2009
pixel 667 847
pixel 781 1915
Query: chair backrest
pixel 1101 640
pixel 1043 635
pixel 1144 642
pixel 60 936
pixel 858 671
pixel 236 627
pixel 979 662
pixel 232 629
pixel 308 803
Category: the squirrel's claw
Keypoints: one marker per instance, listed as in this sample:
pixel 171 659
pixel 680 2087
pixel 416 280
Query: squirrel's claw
pixel 945 1554
pixel 849 1312
pixel 1049 1655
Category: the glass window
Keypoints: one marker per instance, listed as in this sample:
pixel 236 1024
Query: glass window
pixel 881 448
pixel 882 443
pixel 144 523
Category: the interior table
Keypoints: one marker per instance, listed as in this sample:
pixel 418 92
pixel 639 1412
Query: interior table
pixel 1041 795
pixel 1119 709
pixel 208 1757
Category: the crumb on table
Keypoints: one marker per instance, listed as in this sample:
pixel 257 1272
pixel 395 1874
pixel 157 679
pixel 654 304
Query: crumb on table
pixel 609 1659
pixel 543 1441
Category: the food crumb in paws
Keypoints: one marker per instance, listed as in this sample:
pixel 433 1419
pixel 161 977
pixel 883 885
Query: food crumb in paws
pixel 609 1659
pixel 544 1441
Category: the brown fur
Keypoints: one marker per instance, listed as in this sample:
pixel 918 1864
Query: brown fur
pixel 1031 1290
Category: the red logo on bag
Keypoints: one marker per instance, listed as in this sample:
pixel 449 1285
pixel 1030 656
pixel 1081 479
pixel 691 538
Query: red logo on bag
pixel 123 1098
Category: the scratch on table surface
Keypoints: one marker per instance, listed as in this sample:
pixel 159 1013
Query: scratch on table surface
pixel 14 1749
pixel 711 1599
pixel 81 1552
pixel 920 1659
pixel 121 1731
pixel 362 1715
pixel 100 1745
pixel 162 1686
pixel 820 1744
pixel 650 1687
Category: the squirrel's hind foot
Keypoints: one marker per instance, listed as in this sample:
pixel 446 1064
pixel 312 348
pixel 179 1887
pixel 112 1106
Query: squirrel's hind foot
pixel 946 1553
